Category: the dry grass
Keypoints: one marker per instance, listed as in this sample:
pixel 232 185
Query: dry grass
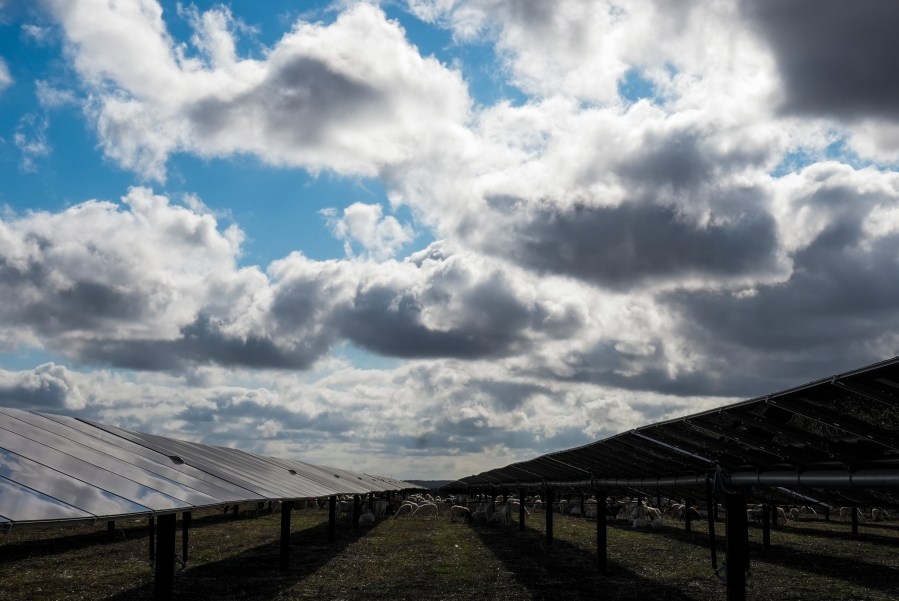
pixel 405 559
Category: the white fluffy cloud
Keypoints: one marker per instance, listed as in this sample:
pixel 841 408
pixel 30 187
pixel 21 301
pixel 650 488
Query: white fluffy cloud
pixel 366 226
pixel 352 96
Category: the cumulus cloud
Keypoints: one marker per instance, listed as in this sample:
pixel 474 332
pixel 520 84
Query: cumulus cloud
pixel 364 225
pixel 351 96
pixel 834 58
pixel 48 387
pixel 837 61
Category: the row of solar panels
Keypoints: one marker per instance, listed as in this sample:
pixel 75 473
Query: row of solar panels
pixel 835 440
pixel 55 468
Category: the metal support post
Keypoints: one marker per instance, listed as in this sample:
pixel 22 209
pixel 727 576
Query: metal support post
pixel 521 511
pixel 548 505
pixel 766 527
pixel 110 529
pixel 737 547
pixel 332 519
pixel 602 551
pixel 164 581
pixel 286 507
pixel 688 517
pixel 710 508
pixel 186 522
pixel 152 538
pixel 356 505
pixel 854 521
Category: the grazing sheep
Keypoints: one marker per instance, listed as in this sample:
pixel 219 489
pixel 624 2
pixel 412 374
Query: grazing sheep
pixel 381 506
pixel 405 509
pixel 345 508
pixel 754 514
pixel 794 513
pixel 366 518
pixel 426 511
pixel 458 511
pixel 846 514
pixel 878 514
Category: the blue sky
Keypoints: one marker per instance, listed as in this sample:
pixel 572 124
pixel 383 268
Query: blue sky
pixel 424 237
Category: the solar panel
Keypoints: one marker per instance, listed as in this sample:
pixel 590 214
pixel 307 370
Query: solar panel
pixel 109 463
pixel 23 504
pixel 55 468
pixel 87 497
pixel 842 430
pixel 202 481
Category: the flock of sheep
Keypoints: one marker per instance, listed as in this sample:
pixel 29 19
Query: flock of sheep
pixel 637 512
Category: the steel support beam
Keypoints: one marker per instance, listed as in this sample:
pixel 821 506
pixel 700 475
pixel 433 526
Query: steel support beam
pixel 737 547
pixel 688 518
pixel 332 519
pixel 602 551
pixel 286 507
pixel 186 522
pixel 548 510
pixel 164 580
pixel 521 510
pixel 152 538
pixel 710 511
pixel 766 526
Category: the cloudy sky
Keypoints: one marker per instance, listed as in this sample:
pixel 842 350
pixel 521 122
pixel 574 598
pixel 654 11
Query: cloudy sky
pixel 425 238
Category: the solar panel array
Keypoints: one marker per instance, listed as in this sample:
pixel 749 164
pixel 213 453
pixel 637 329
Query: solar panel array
pixel 833 441
pixel 60 469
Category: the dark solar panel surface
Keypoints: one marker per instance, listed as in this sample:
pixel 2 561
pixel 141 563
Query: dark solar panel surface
pixel 835 440
pixel 56 468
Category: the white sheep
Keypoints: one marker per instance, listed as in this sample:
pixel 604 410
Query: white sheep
pixel 458 511
pixel 381 506
pixel 846 514
pixel 366 518
pixel 345 508
pixel 878 514
pixel 426 510
pixel 405 509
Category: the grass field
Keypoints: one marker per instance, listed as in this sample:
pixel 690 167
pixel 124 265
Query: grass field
pixel 237 558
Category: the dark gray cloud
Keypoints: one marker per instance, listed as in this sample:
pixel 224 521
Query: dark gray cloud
pixel 46 395
pixel 79 305
pixel 633 243
pixel 204 342
pixel 300 99
pixel 390 321
pixel 839 308
pixel 835 58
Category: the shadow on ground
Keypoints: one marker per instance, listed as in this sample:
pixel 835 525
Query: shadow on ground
pixel 254 574
pixel 565 571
